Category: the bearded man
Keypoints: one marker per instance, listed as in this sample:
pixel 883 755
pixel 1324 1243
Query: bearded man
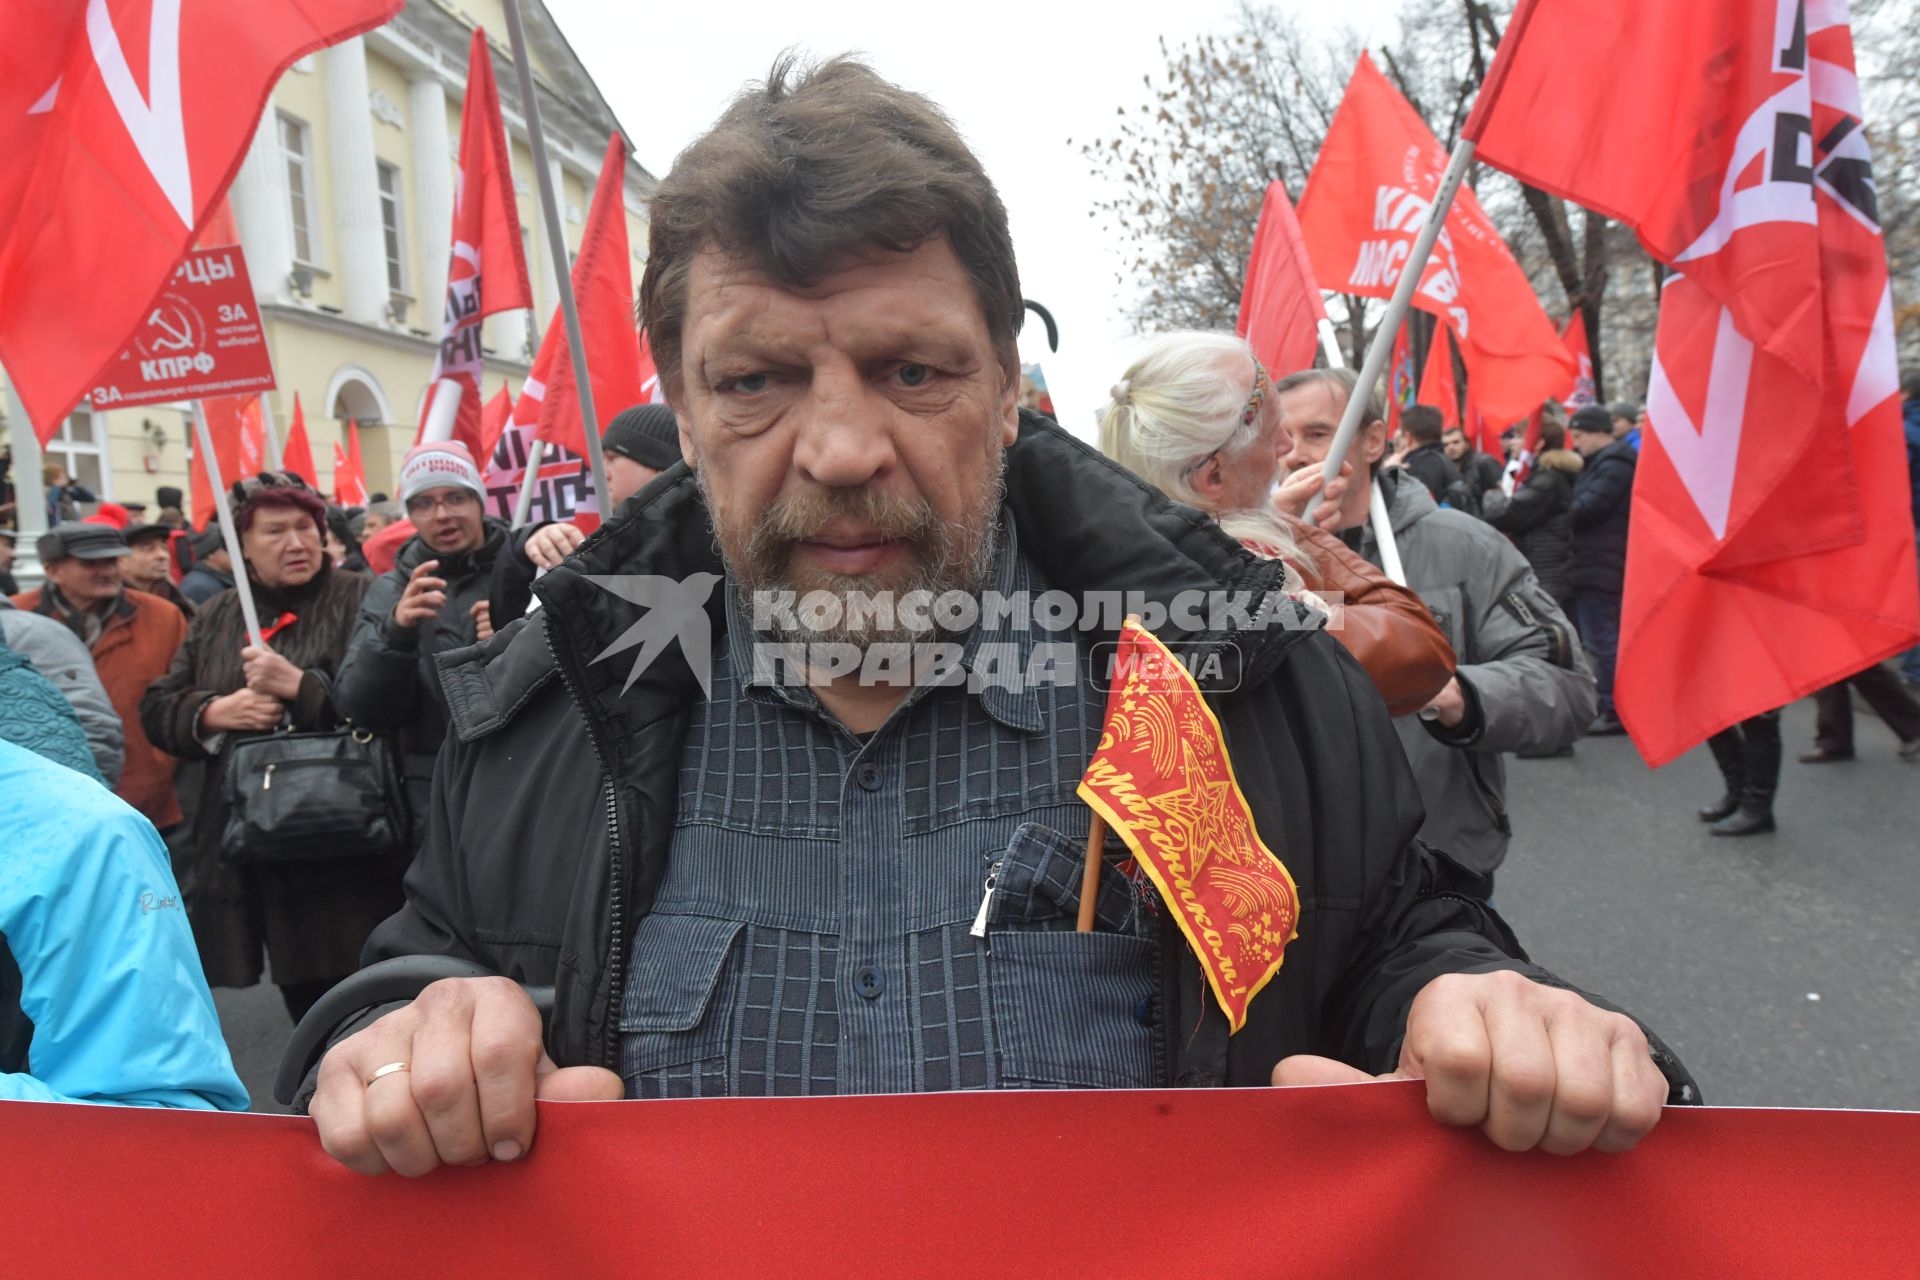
pixel 738 871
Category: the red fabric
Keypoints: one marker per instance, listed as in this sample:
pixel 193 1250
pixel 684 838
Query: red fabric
pixel 1772 546
pixel 1351 1180
pixel 296 455
pixel 1400 379
pixel 603 292
pixel 235 425
pixel 349 476
pixel 488 269
pixel 96 221
pixel 1280 307
pixel 384 546
pixel 1575 338
pixel 1369 194
pixel 1437 385
pixel 494 417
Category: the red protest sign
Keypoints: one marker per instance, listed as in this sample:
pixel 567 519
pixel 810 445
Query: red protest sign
pixel 201 337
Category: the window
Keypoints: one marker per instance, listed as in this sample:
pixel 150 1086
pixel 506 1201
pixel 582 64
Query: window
pixel 391 226
pixel 294 138
pixel 80 447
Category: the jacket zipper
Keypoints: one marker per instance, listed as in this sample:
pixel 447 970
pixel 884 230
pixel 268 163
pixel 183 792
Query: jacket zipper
pixel 616 894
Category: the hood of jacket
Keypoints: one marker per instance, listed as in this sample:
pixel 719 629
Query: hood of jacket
pixel 1562 460
pixel 460 563
pixel 1408 500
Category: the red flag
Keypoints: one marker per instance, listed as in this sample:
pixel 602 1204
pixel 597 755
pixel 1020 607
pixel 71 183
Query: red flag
pixel 1280 307
pixel 488 269
pixel 235 425
pixel 349 476
pixel 603 292
pixel 1400 379
pixel 1772 549
pixel 1365 202
pixel 493 421
pixel 1437 385
pixel 297 454
pixel 120 127
pixel 1575 338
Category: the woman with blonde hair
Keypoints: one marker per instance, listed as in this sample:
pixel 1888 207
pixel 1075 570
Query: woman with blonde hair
pixel 1195 416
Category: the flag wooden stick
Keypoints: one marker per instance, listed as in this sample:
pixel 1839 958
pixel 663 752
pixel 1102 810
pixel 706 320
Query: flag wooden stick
pixel 228 534
pixel 1376 501
pixel 523 501
pixel 1090 875
pixel 557 249
pixel 1381 350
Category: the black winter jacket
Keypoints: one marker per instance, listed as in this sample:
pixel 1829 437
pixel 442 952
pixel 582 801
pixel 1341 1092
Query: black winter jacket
pixel 1435 469
pixel 1537 516
pixel 1602 494
pixel 554 800
pixel 387 682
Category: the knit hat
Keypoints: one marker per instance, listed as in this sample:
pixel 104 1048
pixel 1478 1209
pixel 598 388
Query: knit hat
pixel 647 433
pixel 1592 418
pixel 439 464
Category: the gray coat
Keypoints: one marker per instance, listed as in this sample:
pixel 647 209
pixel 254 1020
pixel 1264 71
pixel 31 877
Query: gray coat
pixel 388 682
pixel 59 655
pixel 1526 680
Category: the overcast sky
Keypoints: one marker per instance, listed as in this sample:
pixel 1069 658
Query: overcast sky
pixel 1018 79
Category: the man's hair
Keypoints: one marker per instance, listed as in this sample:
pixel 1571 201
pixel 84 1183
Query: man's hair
pixel 1341 380
pixel 1553 434
pixel 1910 382
pixel 812 169
pixel 1422 422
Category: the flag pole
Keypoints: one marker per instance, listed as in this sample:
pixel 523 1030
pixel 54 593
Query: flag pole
pixel 270 430
pixel 1377 513
pixel 203 438
pixel 557 248
pixel 1381 349
pixel 29 492
pixel 523 502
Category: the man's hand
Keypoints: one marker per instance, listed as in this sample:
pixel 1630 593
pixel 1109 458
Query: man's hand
pixel 1297 490
pixel 1532 1066
pixel 243 711
pixel 1449 706
pixel 424 596
pixel 474 1065
pixel 550 544
pixel 269 673
pixel 482 615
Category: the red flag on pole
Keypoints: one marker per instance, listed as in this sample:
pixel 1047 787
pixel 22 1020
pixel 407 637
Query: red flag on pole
pixel 1437 385
pixel 120 127
pixel 1280 307
pixel 493 421
pixel 349 476
pixel 488 268
pixel 235 424
pixel 1575 338
pixel 1365 202
pixel 1772 546
pixel 603 292
pixel 1400 379
pixel 297 454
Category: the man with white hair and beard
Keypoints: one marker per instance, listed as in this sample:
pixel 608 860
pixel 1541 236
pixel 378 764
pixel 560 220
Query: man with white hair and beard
pixel 730 877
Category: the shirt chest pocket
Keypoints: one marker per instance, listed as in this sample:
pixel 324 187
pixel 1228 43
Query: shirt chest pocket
pixel 1071 1009
pixel 676 1016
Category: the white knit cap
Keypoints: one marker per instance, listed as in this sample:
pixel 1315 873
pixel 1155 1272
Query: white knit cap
pixel 439 464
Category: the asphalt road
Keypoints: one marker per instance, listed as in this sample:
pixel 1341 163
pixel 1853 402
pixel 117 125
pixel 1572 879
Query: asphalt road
pixel 1782 968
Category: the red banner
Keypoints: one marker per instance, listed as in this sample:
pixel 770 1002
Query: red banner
pixel 1344 1180
pixel 201 337
pixel 1437 385
pixel 1280 307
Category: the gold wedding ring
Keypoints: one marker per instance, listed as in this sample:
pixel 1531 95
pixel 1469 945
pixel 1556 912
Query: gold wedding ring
pixel 388 1070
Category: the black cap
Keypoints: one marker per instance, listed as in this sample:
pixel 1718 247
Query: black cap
pixel 1592 417
pixel 135 532
pixel 208 541
pixel 75 541
pixel 168 496
pixel 647 433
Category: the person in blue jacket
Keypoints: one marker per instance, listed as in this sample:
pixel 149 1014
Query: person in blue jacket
pixel 101 994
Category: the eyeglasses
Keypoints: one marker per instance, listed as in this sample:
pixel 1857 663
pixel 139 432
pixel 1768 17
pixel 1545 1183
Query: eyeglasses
pixel 455 502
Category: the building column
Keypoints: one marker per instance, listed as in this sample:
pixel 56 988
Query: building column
pixel 356 190
pixel 433 195
pixel 260 208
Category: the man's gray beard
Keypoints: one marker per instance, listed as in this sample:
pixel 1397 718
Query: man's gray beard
pixel 944 556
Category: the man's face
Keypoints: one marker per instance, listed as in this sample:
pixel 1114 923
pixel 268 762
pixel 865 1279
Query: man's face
pixel 848 436
pixel 1588 443
pixel 625 477
pixel 371 523
pixel 86 583
pixel 1621 426
pixel 147 566
pixel 448 518
pixel 1454 441
pixel 1310 415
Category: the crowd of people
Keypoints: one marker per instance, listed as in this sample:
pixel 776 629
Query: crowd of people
pixel 722 883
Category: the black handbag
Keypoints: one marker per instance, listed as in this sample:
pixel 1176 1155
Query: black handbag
pixel 302 797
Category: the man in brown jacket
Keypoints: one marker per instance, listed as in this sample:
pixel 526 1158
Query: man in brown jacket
pixel 132 637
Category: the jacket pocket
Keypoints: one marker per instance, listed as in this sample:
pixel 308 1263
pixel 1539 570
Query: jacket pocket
pixel 1070 1009
pixel 677 1014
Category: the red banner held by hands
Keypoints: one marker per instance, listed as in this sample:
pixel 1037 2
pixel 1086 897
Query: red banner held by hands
pixel 1342 1180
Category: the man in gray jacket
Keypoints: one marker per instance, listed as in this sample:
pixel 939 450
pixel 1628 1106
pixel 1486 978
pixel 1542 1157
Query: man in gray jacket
pixel 58 654
pixel 432 600
pixel 1523 683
